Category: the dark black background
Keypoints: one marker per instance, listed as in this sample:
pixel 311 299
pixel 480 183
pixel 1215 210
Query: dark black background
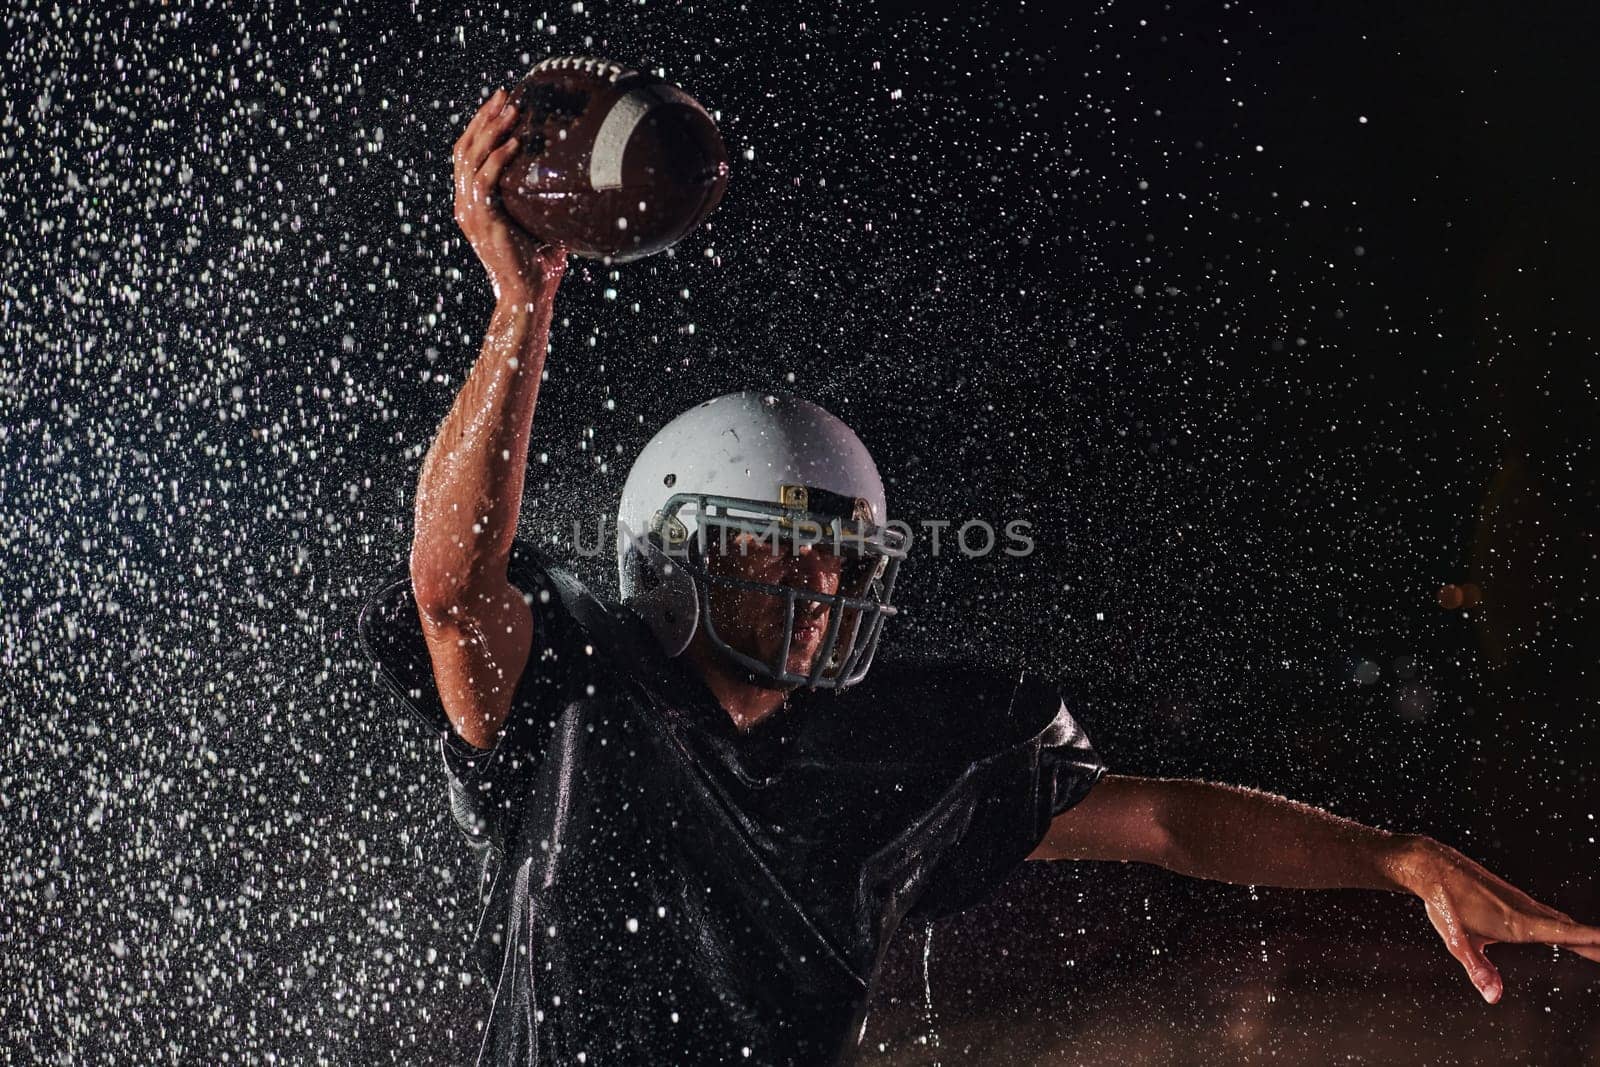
pixel 1263 376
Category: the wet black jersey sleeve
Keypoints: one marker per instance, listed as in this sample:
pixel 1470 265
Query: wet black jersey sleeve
pixel 1008 798
pixel 391 635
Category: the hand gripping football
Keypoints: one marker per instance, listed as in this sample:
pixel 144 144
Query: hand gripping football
pixel 612 163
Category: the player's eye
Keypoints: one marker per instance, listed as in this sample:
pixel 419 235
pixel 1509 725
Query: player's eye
pixel 753 544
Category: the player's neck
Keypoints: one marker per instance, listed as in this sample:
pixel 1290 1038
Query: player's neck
pixel 744 702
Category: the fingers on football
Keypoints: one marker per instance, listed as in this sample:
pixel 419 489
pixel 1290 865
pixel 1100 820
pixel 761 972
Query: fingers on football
pixel 490 134
pixel 489 173
pixel 466 161
pixel 483 133
pixel 488 108
pixel 553 259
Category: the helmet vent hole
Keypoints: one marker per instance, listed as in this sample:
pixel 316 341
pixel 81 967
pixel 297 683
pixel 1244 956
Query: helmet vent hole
pixel 670 480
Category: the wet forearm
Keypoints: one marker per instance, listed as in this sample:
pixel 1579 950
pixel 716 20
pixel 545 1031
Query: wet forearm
pixel 1248 837
pixel 470 490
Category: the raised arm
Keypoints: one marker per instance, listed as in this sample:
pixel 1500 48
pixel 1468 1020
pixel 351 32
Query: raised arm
pixel 478 627
pixel 1231 834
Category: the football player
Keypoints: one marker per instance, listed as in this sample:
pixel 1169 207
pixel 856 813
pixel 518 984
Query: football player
pixel 703 811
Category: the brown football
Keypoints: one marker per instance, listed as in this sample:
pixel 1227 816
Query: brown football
pixel 612 163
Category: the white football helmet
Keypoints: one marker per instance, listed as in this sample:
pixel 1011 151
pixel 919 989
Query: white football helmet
pixel 781 468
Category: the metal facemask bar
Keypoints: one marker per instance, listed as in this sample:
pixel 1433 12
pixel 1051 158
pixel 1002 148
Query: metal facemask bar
pixel 806 516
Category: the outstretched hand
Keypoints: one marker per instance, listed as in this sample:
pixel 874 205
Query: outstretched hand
pixel 1472 908
pixel 521 268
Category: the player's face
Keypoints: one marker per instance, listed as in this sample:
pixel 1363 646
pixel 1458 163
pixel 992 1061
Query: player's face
pixel 752 621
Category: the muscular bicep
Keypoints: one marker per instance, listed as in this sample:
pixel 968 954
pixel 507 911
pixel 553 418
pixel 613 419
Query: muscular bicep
pixel 1121 819
pixel 479 647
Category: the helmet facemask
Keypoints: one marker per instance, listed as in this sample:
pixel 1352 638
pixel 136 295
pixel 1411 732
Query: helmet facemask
pixel 692 529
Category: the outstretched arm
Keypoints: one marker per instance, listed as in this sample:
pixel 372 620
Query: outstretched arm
pixel 1232 834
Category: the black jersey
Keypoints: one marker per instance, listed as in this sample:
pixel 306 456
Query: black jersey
pixel 661 888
